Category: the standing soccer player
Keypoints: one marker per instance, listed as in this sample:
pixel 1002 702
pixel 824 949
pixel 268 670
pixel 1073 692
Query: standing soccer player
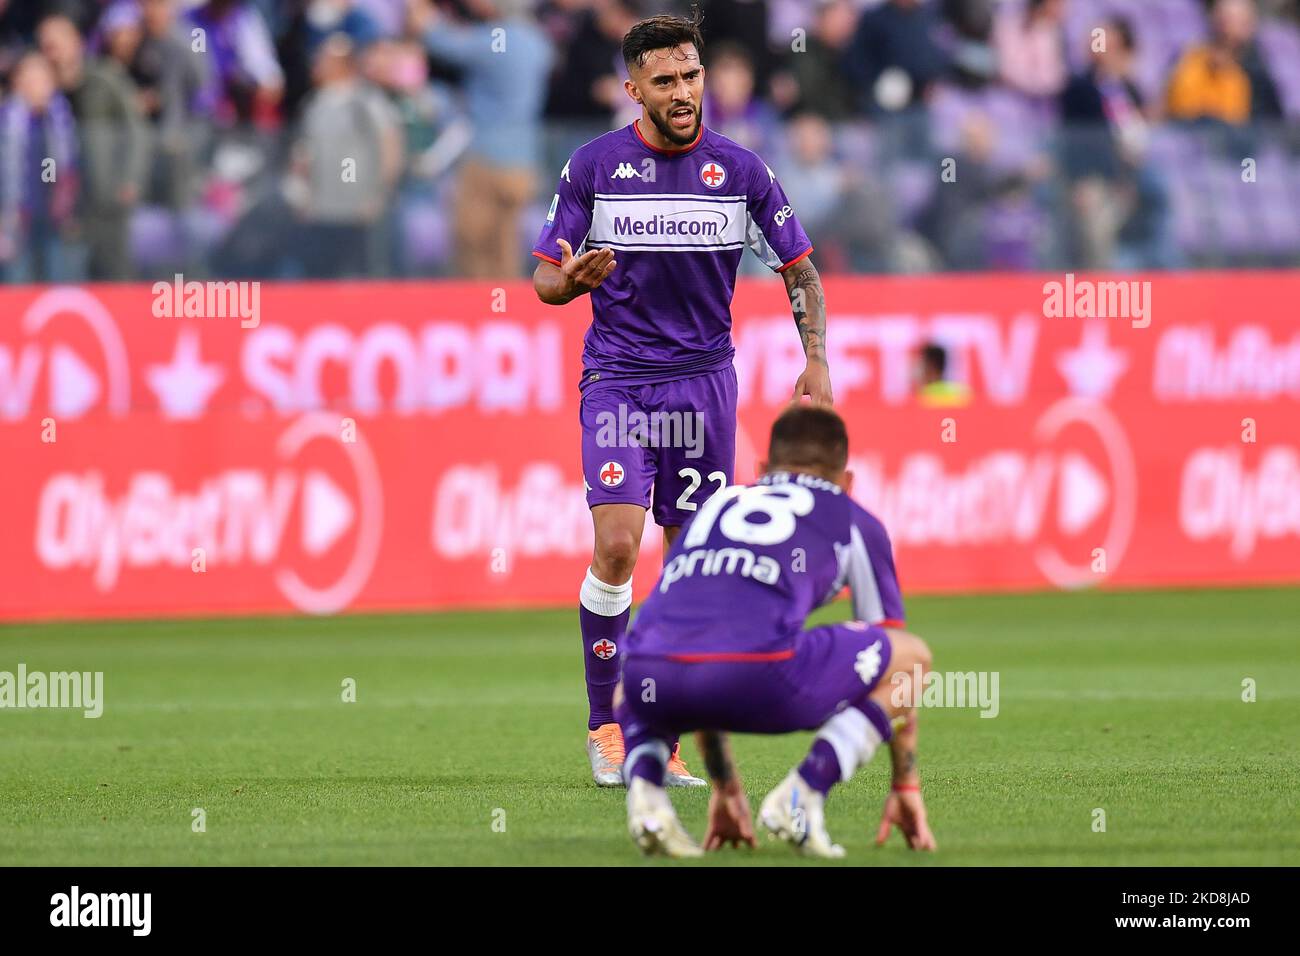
pixel 652 220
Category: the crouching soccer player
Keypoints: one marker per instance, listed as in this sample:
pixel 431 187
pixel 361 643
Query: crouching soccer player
pixel 720 646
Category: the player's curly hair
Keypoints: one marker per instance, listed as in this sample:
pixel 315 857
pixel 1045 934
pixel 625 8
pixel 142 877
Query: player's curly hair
pixel 656 33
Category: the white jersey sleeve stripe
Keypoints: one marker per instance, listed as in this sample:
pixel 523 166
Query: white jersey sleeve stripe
pixel 867 605
pixel 759 245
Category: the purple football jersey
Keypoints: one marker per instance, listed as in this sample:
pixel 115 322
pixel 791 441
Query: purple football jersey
pixel 678 222
pixel 754 561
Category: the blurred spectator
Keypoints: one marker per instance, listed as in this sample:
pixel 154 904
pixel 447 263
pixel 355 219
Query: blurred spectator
pixel 310 22
pixel 974 58
pixel 933 388
pixel 465 85
pixel 1030 45
pixel 84 14
pixel 845 209
pixel 118 33
pixel 18 20
pixel 398 67
pixel 820 84
pixel 731 107
pixel 738 23
pixel 895 55
pixel 347 161
pixel 246 81
pixel 1104 104
pixel 588 83
pixel 170 77
pixel 38 175
pixel 957 220
pixel 1265 101
pixel 813 180
pixel 505 59
pixel 115 145
pixel 1224 80
pixel 1115 193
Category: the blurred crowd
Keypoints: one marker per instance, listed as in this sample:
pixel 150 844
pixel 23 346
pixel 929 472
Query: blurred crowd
pixel 339 138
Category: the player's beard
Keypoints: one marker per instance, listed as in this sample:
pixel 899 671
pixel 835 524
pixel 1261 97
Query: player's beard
pixel 665 127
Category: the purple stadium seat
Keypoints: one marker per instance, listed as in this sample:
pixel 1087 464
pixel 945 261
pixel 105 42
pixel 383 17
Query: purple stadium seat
pixel 154 237
pixel 425 235
pixel 1022 126
pixel 1012 233
pixel 1275 203
pixel 911 185
pixel 855 143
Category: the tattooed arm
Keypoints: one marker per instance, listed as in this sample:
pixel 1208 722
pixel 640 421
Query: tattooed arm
pixel 715 748
pixel 904 807
pixel 729 820
pixel 902 749
pixel 808 302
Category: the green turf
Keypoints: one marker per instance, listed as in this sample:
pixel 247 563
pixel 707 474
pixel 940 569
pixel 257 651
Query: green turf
pixel 1129 702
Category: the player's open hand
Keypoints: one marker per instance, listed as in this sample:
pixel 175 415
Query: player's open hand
pixel 815 382
pixel 583 273
pixel 906 810
pixel 729 818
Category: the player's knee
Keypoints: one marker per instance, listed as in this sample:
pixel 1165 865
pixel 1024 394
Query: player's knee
pixel 616 550
pixel 909 662
pixel 909 651
pixel 923 655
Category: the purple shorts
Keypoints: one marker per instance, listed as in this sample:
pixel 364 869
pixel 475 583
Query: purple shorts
pixel 666 446
pixel 831 667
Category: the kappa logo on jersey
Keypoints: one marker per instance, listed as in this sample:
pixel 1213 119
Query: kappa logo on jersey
pixel 868 663
pixel 625 171
pixel 604 649
pixel 712 175
pixel 612 474
pixel 564 173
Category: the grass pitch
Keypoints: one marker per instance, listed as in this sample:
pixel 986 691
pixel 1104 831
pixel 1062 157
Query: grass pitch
pixel 466 741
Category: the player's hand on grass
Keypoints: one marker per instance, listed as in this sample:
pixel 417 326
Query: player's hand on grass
pixel 583 273
pixel 815 382
pixel 729 818
pixel 906 810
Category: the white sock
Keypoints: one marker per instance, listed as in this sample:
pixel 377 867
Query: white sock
pixel 607 600
pixel 853 738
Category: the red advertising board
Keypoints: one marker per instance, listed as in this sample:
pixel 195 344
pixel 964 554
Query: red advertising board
pixel 178 450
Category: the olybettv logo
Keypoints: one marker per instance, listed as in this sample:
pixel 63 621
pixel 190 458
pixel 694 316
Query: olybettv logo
pixel 668 222
pixel 239 517
pixel 1068 499
pixel 70 339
